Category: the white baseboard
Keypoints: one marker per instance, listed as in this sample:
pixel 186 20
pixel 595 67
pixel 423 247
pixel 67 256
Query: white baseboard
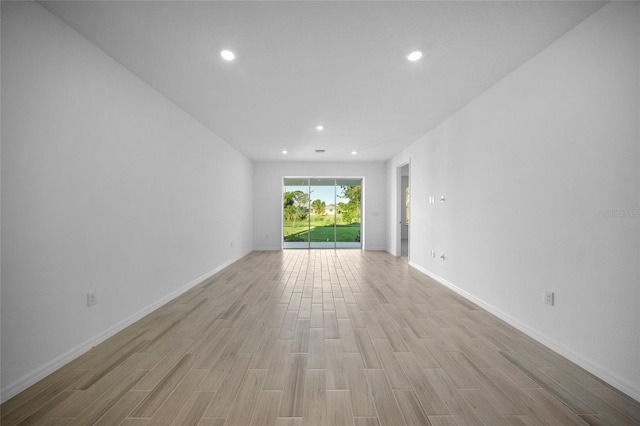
pixel 619 383
pixel 40 373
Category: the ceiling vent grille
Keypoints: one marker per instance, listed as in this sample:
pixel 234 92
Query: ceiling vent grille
pixel 319 151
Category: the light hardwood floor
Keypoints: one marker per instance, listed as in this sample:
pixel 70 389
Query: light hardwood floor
pixel 320 337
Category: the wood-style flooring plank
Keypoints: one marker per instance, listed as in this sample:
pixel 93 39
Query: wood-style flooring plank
pixel 244 405
pixel 170 409
pixel 347 336
pixel 317 356
pixel 301 337
pixel 267 408
pixel 366 421
pixel 94 411
pixel 482 407
pixel 449 394
pixel 43 413
pixel 278 365
pixel 357 321
pixel 410 407
pixel 212 421
pixel 335 367
pixel 551 385
pixel 330 325
pixel 317 315
pixel 17 410
pixel 315 397
pixel 359 389
pixel 426 394
pixel 607 412
pixel 553 409
pixel 621 402
pixel 226 394
pixel 289 421
pixel 388 410
pixel 82 399
pixel 366 349
pixel 443 421
pixel 122 408
pixel 135 422
pixel 396 375
pixel 339 412
pixel 194 409
pixel 293 397
pixel 43 391
pixel 262 356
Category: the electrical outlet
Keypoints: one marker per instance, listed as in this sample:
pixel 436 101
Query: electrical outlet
pixel 92 298
pixel 548 298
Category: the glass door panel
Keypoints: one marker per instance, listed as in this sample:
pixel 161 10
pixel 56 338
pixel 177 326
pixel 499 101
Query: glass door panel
pixel 322 214
pixel 349 213
pixel 296 213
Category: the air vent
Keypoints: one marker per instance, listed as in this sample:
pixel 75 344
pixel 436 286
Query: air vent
pixel 319 151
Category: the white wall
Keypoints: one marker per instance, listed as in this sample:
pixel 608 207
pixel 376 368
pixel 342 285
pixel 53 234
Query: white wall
pixel 267 198
pixel 531 171
pixel 106 186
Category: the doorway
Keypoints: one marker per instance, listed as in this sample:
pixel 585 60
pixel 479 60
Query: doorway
pixel 322 212
pixel 404 209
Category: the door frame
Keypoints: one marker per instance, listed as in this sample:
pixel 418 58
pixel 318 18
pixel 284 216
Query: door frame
pixel 309 178
pixel 400 204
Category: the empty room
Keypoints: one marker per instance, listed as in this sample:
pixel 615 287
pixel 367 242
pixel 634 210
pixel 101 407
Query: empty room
pixel 320 213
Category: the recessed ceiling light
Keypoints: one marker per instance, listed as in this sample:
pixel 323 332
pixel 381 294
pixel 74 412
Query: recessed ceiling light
pixel 227 55
pixel 354 152
pixel 414 56
pixel 320 128
pixel 284 151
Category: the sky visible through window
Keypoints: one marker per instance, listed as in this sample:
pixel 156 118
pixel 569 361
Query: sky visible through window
pixel 322 193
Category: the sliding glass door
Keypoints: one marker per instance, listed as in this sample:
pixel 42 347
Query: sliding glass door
pixel 322 213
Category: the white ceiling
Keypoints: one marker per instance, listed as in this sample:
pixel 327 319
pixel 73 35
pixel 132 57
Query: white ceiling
pixel 340 64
